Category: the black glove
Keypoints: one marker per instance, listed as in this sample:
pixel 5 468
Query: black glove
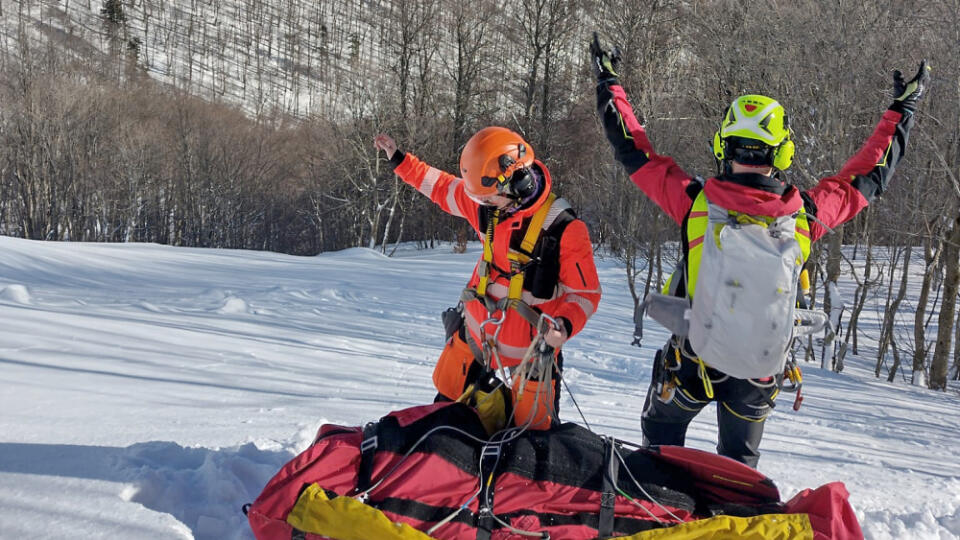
pixel 906 94
pixel 604 62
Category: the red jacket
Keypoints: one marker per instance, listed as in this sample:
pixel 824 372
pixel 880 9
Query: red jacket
pixel 577 292
pixel 833 201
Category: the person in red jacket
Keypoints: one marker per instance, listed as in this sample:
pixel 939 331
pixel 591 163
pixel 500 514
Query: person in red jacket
pixel 535 282
pixel 753 146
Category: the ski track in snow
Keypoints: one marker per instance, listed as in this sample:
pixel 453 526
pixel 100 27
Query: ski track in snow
pixel 151 391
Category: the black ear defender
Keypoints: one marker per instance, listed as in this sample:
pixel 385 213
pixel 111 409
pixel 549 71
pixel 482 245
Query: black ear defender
pixel 521 183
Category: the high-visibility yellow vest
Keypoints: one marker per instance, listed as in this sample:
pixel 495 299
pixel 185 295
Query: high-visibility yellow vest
pixel 697 223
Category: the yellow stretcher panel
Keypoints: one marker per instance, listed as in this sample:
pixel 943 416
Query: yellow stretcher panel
pixel 345 518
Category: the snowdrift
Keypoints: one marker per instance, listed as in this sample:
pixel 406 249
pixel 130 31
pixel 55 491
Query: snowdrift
pixel 432 472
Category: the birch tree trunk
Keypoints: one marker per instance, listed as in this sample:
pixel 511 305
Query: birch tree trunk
pixel 889 316
pixel 932 249
pixel 951 254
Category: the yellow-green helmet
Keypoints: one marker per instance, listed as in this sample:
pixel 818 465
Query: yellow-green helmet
pixel 755 118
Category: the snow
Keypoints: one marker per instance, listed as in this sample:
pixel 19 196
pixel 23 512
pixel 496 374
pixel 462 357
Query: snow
pixel 150 391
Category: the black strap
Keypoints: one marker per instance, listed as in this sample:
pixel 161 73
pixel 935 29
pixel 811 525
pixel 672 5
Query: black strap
pixel 488 459
pixel 368 447
pixel 609 496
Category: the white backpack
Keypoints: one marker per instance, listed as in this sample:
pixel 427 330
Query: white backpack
pixel 742 317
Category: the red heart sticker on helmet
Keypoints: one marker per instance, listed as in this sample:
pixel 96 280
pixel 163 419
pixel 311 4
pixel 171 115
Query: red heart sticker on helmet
pixel 750 108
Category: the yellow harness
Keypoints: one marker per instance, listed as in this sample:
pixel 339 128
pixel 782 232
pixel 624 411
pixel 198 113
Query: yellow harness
pixel 517 258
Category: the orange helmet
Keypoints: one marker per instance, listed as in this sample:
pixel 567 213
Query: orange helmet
pixel 492 162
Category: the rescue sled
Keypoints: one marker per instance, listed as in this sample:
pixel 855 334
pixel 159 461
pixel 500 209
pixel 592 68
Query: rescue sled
pixel 433 472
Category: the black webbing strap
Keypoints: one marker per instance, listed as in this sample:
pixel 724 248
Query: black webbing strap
pixel 609 496
pixel 528 313
pixel 485 521
pixel 368 447
pixel 474 348
pixel 296 534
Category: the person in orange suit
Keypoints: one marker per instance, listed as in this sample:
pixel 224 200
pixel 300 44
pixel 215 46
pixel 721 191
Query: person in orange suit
pixel 537 265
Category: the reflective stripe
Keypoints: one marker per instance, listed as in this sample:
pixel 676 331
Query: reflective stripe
pixel 584 304
pixel 564 289
pixel 452 207
pixel 429 181
pixel 751 124
pixel 558 207
pixel 499 290
pixel 510 354
pixel 690 397
pixel 682 406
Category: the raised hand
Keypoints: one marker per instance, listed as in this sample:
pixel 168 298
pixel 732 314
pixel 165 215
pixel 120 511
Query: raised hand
pixel 604 62
pixel 906 94
pixel 386 143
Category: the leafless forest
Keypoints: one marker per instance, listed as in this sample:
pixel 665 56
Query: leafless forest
pixel 248 123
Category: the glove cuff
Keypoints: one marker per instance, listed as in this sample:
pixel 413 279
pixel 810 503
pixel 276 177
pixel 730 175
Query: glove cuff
pixel 397 158
pixel 567 325
pixel 608 79
pixel 904 107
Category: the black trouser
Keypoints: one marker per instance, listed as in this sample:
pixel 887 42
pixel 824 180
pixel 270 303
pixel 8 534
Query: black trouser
pixel 742 409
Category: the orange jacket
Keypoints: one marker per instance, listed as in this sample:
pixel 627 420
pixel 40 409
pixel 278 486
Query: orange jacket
pixel 577 293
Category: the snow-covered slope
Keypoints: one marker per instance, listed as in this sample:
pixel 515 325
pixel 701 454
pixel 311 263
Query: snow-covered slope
pixel 296 57
pixel 149 391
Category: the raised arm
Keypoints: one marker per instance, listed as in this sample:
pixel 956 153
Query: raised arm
pixel 443 188
pixel 837 199
pixel 657 176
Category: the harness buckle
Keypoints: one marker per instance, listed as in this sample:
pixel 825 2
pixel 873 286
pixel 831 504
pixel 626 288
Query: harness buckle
pixel 490 451
pixel 368 444
pixel 667 389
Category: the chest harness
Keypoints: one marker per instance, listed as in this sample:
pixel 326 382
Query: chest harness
pixel 520 260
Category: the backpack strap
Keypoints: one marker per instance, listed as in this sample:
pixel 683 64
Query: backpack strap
pixel 696 226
